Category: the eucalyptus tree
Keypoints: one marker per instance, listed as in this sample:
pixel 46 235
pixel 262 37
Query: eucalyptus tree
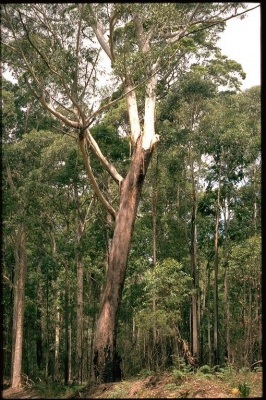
pixel 18 173
pixel 55 49
pixel 246 300
pixel 230 145
pixel 182 111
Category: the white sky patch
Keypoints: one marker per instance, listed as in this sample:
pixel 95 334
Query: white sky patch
pixel 241 41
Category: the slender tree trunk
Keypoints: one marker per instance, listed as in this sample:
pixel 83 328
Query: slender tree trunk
pixel 105 358
pixel 208 315
pixel 81 222
pixel 109 224
pixel 79 343
pixel 40 323
pixel 215 289
pixel 47 329
pixel 19 305
pixel 70 350
pixel 227 316
pixel 66 311
pixel 66 358
pixel 255 211
pixel 193 259
pixel 226 289
pixel 202 319
pixel 57 341
pixel 154 235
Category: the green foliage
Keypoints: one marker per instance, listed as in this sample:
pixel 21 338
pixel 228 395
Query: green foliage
pixel 144 373
pixel 169 285
pixel 180 369
pixel 55 390
pixel 213 135
pixel 178 374
pixel 244 390
pixel 170 386
pixel 224 373
pixel 120 392
pixel 205 369
pixel 182 374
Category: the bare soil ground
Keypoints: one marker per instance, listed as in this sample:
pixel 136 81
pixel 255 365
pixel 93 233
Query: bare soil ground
pixel 160 386
pixel 166 386
pixel 20 393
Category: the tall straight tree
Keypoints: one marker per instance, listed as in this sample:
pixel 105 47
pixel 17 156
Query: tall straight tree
pixel 55 49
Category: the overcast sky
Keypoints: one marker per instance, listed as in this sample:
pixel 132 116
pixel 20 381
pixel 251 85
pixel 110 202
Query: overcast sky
pixel 241 42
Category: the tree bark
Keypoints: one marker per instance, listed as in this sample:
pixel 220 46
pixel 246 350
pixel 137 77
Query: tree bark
pixel 79 344
pixel 106 361
pixel 66 310
pixel 40 322
pixel 215 289
pixel 154 240
pixel 19 305
pixel 57 341
pixel 66 355
pixel 81 223
pixel 193 258
pixel 226 283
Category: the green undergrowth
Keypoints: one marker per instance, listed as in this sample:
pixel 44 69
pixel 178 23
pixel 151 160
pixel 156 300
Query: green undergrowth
pixel 57 390
pixel 178 381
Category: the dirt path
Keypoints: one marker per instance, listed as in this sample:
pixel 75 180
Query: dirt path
pixel 20 393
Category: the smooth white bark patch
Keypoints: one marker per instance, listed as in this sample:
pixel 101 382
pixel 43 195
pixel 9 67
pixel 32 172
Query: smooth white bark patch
pixel 133 114
pixel 149 136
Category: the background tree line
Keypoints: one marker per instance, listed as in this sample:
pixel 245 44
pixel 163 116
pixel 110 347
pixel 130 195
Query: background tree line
pixel 197 236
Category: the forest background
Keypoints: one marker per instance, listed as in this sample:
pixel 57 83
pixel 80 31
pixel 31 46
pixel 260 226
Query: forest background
pixel 193 283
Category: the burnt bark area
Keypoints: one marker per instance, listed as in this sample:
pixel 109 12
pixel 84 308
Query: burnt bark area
pixel 107 362
pixel 112 368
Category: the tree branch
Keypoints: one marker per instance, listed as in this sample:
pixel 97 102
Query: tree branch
pixel 97 151
pixel 112 24
pixel 99 33
pixel 92 179
pixel 211 23
pixel 75 82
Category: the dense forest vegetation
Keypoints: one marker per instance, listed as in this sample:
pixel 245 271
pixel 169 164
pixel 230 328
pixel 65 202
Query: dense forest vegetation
pixel 192 287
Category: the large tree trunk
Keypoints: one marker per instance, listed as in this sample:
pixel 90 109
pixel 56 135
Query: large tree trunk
pixel 106 361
